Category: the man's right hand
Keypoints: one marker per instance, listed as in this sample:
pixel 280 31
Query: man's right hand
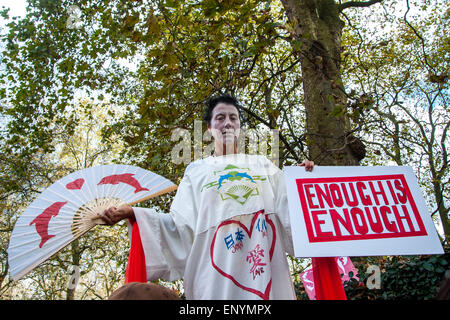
pixel 113 215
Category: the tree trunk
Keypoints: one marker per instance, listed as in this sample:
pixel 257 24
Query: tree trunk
pixel 76 255
pixel 316 30
pixel 443 211
pixel 3 275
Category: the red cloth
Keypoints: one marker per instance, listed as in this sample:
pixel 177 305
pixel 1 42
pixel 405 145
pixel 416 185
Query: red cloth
pixel 327 280
pixel 136 271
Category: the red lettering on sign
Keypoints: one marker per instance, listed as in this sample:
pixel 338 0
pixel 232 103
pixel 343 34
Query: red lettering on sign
pixel 359 221
pixel 354 202
pixel 360 186
pixel 405 217
pixel 402 198
pixel 377 226
pixel 310 197
pixel 384 211
pixel 356 208
pixel 394 197
pixel 346 223
pixel 380 191
pixel 317 222
pixel 336 195
pixel 323 195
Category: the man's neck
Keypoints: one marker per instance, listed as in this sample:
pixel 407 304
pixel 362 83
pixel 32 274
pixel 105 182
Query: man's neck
pixel 223 150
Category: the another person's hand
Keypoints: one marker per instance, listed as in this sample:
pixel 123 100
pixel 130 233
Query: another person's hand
pixel 113 215
pixel 309 165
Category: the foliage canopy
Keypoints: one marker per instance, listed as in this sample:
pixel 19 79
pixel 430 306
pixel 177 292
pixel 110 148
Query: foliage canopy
pixel 88 82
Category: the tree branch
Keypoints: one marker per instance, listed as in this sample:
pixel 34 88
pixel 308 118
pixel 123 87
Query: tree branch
pixel 355 4
pixel 267 124
pixel 418 35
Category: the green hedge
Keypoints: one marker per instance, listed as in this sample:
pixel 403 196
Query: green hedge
pixel 402 278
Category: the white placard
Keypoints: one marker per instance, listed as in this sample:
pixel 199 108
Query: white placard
pixel 358 211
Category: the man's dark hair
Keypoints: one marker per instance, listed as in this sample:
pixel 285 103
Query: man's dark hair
pixel 214 101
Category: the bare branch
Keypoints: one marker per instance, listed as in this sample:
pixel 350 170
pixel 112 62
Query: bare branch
pixel 418 35
pixel 282 137
pixel 356 4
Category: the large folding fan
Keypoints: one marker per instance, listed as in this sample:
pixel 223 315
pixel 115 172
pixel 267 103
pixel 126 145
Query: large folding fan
pixel 71 207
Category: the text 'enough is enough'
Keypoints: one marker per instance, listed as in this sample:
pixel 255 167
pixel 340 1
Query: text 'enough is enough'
pixel 348 210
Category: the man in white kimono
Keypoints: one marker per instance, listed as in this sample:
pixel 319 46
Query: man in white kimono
pixel 228 230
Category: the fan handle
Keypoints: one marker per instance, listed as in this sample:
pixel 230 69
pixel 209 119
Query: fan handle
pixel 98 220
pixel 166 190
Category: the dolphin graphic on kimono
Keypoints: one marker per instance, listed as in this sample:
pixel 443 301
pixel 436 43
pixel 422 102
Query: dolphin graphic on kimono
pixel 244 175
pixel 224 177
pixel 123 178
pixel 234 176
pixel 41 221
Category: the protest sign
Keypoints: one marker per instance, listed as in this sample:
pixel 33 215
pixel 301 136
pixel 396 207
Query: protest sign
pixel 358 211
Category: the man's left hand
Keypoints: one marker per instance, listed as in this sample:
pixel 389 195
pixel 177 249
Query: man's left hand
pixel 309 165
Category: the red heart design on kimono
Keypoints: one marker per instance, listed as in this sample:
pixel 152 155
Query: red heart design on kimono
pixel 264 295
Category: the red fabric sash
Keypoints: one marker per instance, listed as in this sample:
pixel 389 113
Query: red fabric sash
pixel 327 280
pixel 136 271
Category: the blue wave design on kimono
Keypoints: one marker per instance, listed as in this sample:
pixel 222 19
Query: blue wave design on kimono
pixel 238 174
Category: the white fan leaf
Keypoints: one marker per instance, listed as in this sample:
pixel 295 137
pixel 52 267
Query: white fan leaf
pixel 70 207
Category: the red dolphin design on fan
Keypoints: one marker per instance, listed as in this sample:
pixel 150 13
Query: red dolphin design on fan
pixel 76 184
pixel 125 178
pixel 41 221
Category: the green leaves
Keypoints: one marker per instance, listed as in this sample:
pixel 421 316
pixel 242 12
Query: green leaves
pixel 402 277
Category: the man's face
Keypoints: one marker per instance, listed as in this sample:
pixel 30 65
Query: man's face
pixel 225 125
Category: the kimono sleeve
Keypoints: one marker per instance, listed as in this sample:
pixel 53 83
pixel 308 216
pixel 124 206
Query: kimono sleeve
pixel 166 238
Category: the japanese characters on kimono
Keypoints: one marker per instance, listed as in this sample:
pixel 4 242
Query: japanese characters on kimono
pixel 227 233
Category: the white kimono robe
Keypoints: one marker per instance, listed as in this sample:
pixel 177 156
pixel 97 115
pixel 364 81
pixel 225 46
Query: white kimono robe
pixel 227 231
